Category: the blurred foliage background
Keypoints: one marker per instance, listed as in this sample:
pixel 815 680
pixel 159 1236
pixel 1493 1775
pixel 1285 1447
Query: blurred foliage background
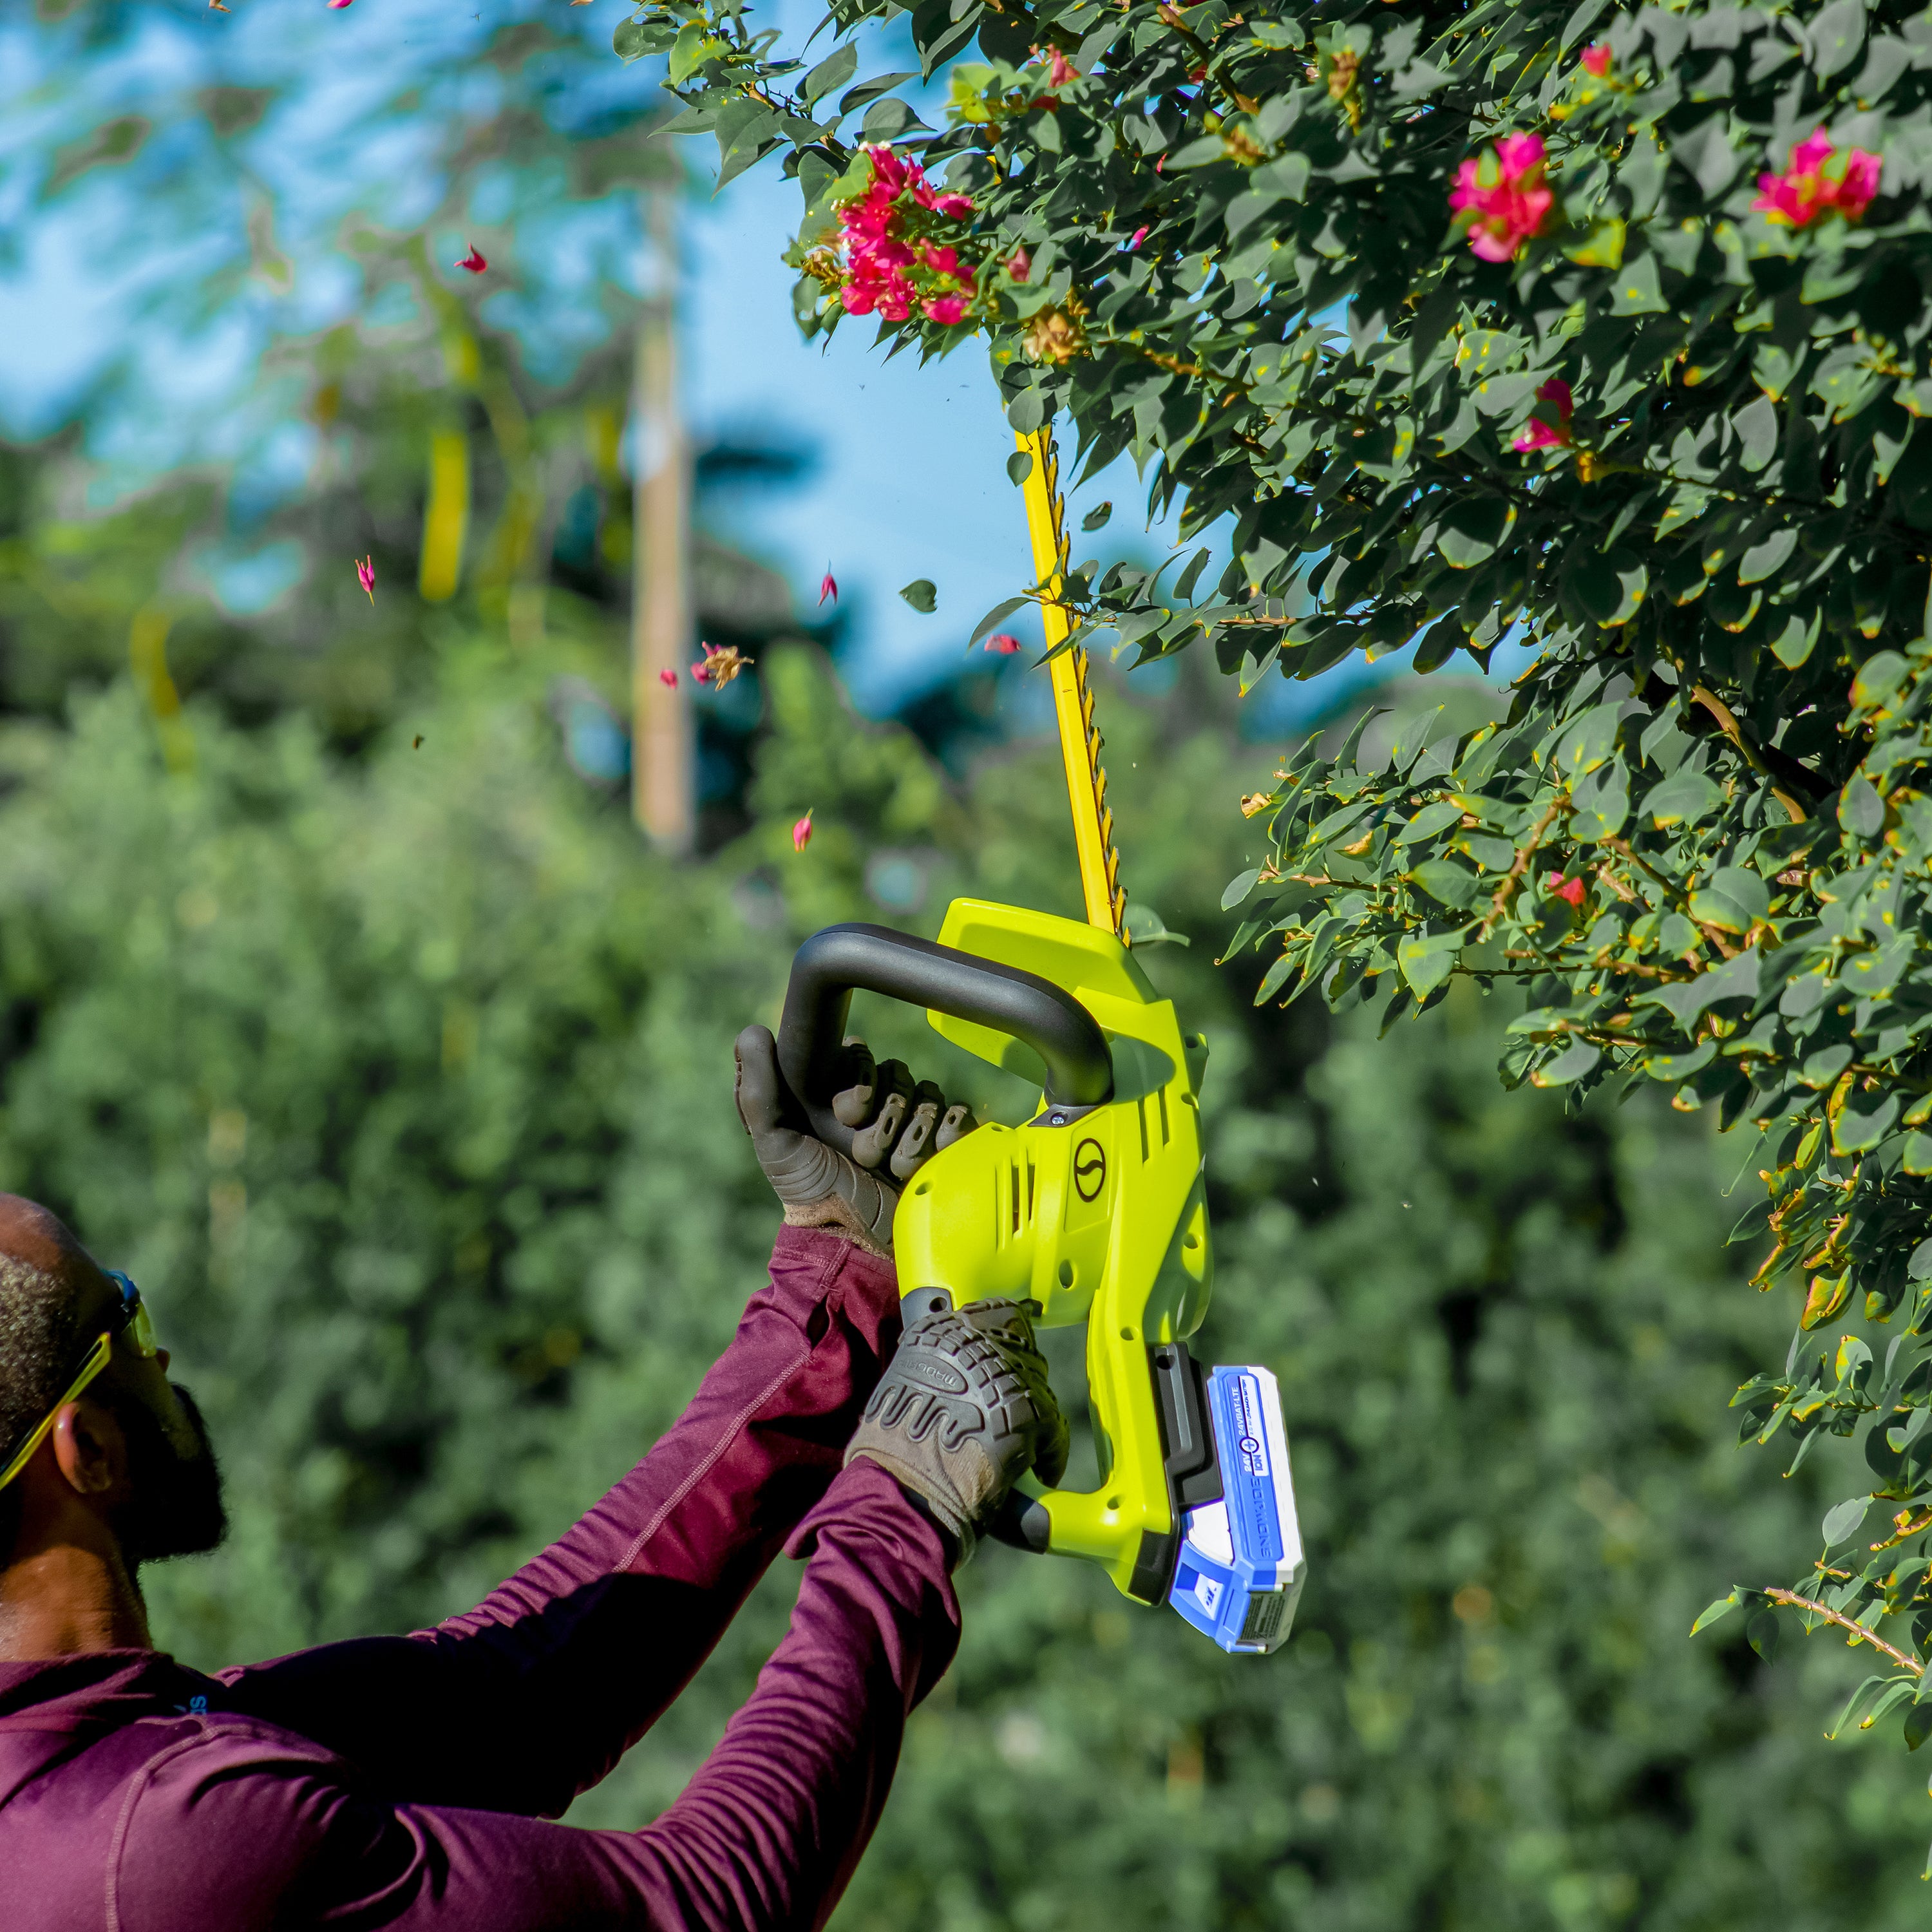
pixel 339 1002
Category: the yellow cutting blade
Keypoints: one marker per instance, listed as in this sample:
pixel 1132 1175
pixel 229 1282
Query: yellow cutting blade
pixel 1073 701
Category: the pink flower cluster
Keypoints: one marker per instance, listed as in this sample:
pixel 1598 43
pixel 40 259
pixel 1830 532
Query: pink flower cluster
pixel 1804 191
pixel 893 263
pixel 1503 199
pixel 1540 432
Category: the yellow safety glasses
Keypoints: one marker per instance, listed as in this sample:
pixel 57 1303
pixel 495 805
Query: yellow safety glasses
pixel 130 1318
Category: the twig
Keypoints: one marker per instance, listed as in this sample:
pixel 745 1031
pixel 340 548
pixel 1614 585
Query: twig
pixel 1759 760
pixel 1859 1634
pixel 1499 903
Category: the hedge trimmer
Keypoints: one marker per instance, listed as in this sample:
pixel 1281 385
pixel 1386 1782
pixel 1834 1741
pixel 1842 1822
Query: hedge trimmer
pixel 1095 1208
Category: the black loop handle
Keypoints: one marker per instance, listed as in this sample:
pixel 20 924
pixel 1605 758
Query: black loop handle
pixel 832 964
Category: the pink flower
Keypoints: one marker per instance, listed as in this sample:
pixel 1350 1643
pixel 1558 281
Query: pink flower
pixel 801 833
pixel 1062 71
pixel 700 673
pixel 958 206
pixel 1570 890
pixel 1003 642
pixel 1019 264
pixel 666 676
pixel 1596 60
pixel 940 261
pixel 1502 198
pixel 474 261
pixel 1540 433
pixel 947 310
pixel 1804 192
pixel 365 570
pixel 1134 240
pixel 890 172
pixel 828 587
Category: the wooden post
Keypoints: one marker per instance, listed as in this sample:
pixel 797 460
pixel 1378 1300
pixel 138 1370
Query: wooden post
pixel 662 793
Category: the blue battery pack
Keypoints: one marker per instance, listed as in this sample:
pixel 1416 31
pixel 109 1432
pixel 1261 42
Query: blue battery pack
pixel 1239 1575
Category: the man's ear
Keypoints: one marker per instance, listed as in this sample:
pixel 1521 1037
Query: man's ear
pixel 90 1449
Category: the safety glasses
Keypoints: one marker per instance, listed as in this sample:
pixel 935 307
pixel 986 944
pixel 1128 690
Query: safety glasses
pixel 131 1319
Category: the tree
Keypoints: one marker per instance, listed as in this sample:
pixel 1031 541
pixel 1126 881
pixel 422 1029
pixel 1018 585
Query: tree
pixel 401 1083
pixel 1608 330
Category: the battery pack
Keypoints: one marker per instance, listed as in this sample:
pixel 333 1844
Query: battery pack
pixel 1239 1575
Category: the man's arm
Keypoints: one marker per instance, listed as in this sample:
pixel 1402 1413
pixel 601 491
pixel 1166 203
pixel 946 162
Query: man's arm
pixel 530 1698
pixel 765 1837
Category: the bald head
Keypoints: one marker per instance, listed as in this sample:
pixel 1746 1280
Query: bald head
pixel 39 1238
pixel 49 1287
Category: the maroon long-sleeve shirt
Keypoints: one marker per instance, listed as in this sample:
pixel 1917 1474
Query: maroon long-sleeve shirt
pixel 403 1782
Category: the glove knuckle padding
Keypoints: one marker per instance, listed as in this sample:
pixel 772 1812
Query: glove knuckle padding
pixel 962 1411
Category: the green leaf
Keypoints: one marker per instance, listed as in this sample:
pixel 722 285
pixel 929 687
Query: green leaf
pixel 1675 1067
pixel 1572 1063
pixel 1473 529
pixel 1686 797
pixel 1637 291
pixel 1601 246
pixel 1587 741
pixel 1715 1613
pixel 1793 644
pixel 1836 34
pixel 1841 1523
pixel 1765 559
pixel 835 70
pixel 1145 927
pixel 1239 888
pixel 1734 898
pixel 1425 963
pixel 693 47
pixel 1861 810
pixel 1454 886
pixel 922 595
pixel 997 615
pixel 1599 802
pixel 1019 466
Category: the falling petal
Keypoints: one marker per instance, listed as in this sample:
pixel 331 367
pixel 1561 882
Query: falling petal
pixel 1134 241
pixel 667 675
pixel 1003 642
pixel 475 261
pixel 828 587
pixel 365 569
pixel 720 665
pixel 801 833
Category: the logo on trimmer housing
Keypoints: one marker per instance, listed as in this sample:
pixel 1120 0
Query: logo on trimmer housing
pixel 1089 1169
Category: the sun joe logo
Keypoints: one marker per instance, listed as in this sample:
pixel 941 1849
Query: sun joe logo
pixel 1089 1169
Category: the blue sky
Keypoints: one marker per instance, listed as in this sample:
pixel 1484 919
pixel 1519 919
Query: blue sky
pixel 909 479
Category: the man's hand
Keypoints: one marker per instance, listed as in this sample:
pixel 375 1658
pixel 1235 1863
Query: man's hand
pixel 899 1125
pixel 963 1410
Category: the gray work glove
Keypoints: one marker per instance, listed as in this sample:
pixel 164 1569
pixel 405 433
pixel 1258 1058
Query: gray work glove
pixel 963 1410
pixel 900 1125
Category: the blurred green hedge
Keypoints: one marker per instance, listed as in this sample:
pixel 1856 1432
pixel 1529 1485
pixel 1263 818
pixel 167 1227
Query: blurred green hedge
pixel 404 1089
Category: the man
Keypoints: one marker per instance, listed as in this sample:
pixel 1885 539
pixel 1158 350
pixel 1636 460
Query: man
pixel 402 1782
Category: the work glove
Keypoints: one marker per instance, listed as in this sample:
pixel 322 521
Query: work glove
pixel 898 1125
pixel 963 1410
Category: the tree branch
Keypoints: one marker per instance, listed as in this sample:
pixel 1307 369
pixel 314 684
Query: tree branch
pixel 1859 1634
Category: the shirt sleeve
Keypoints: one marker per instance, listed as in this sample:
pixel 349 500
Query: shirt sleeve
pixel 521 1703
pixel 764 1839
